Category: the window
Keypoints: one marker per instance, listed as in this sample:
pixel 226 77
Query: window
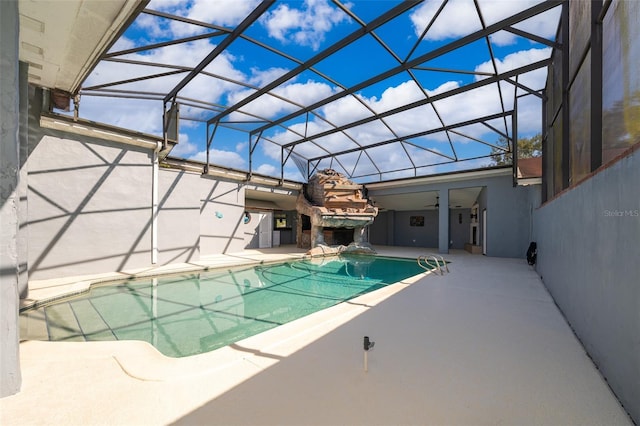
pixel 280 221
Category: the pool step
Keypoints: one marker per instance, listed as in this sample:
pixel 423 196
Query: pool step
pixel 93 325
pixel 33 326
pixel 64 322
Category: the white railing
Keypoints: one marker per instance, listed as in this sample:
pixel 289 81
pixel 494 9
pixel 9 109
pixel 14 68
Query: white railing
pixel 432 261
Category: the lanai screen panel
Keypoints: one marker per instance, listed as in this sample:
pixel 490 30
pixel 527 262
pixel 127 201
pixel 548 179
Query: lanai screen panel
pixel 376 88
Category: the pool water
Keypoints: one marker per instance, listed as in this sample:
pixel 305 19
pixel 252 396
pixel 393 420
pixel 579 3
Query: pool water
pixel 196 313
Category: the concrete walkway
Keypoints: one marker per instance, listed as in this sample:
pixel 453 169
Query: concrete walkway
pixel 484 344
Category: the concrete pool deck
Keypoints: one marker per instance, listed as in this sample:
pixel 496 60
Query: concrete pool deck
pixel 484 344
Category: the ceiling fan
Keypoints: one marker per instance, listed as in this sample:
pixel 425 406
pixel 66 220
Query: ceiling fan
pixel 436 205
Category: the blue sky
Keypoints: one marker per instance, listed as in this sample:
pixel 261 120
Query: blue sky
pixel 301 29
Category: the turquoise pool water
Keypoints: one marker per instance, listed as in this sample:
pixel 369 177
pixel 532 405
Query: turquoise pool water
pixel 196 313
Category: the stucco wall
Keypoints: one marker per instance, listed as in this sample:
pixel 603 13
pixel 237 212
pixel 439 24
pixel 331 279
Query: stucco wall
pixel 459 233
pixel 89 206
pixel 221 216
pixel 588 249
pixel 416 236
pixel 178 216
pixel 509 220
pixel 509 216
pixel 378 229
pixel 90 209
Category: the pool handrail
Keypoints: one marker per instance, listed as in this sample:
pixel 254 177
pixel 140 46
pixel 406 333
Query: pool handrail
pixel 426 258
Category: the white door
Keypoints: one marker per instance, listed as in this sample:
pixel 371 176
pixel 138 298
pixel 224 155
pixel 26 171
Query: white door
pixel 265 229
pixel 484 231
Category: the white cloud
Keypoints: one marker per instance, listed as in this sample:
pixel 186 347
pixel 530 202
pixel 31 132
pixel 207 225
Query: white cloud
pixel 139 115
pixel 164 4
pixel 406 93
pixel 459 18
pixel 272 106
pixel 152 26
pixel 348 109
pixel 305 26
pixel 221 158
pixel 241 146
pixel 122 43
pixel 266 169
pixel 223 12
pixel 184 148
pixel 544 25
pixel 187 54
pixel 227 13
pixel 262 77
pixel 129 113
pixel 535 80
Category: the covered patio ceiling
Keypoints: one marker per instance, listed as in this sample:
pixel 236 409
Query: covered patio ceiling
pixel 376 90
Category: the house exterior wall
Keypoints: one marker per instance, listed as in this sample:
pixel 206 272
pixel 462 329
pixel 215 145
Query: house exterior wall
pixel 588 229
pixel 89 206
pixel 416 236
pixel 482 209
pixel 178 216
pixel 221 216
pixel 509 212
pixel 588 259
pixel 378 229
pixel 459 233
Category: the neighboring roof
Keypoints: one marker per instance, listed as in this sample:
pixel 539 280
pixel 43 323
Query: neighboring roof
pixel 529 167
pixel 63 40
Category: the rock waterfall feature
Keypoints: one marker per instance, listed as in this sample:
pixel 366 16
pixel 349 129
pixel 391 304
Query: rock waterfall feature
pixel 333 215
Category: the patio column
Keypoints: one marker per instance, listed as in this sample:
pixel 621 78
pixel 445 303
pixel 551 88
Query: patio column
pixel 443 222
pixel 10 378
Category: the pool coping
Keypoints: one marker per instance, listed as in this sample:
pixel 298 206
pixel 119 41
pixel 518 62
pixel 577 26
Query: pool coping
pixel 48 291
pixel 42 292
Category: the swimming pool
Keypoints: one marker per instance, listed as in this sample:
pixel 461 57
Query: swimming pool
pixel 196 313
